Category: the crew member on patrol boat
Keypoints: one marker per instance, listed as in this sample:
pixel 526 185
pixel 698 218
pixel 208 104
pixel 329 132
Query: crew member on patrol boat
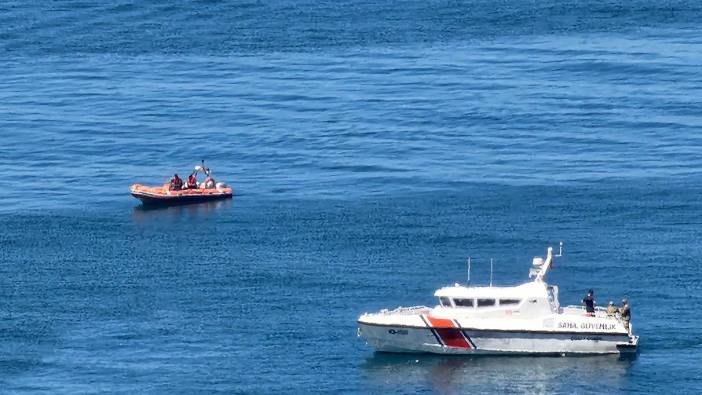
pixel 611 308
pixel 589 302
pixel 625 312
pixel 176 183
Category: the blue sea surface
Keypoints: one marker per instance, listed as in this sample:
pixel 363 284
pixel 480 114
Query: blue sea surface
pixel 372 146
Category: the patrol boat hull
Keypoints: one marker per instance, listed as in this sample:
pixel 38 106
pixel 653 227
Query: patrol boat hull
pixel 405 339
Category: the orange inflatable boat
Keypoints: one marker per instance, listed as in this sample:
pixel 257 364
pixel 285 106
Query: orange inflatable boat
pixel 176 192
pixel 164 196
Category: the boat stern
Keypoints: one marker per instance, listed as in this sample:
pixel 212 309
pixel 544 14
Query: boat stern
pixel 629 348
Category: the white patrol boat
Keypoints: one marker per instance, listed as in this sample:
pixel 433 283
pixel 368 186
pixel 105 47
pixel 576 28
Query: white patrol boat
pixel 524 319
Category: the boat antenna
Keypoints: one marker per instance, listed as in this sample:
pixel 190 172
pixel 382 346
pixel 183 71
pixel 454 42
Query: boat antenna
pixel 468 271
pixel 491 272
pixel 560 250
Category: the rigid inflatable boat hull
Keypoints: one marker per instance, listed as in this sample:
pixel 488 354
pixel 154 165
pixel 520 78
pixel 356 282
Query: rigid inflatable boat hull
pixel 164 197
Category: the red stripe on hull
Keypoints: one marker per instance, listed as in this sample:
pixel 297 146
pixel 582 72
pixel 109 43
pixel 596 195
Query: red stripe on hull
pixel 440 323
pixel 449 333
pixel 453 338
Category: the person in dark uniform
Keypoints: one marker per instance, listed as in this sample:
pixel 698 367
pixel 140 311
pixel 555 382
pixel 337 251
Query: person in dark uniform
pixel 625 312
pixel 589 302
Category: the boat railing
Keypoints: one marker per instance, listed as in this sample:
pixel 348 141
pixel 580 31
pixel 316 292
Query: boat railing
pixel 403 310
pixel 600 312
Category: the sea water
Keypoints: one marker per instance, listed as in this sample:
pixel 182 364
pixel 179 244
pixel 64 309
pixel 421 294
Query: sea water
pixel 372 147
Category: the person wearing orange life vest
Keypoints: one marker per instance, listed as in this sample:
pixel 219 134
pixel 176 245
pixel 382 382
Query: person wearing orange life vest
pixel 192 181
pixel 176 183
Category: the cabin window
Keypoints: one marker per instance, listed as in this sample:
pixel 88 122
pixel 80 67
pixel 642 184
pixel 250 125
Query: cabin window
pixel 463 302
pixel 446 302
pixel 486 302
pixel 505 302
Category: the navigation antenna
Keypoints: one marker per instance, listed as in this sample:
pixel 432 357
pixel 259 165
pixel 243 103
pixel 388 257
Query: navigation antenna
pixel 491 272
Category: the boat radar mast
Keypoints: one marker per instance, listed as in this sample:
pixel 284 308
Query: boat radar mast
pixel 541 267
pixel 468 277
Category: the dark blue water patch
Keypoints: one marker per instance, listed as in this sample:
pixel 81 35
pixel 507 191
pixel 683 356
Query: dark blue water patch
pixel 194 27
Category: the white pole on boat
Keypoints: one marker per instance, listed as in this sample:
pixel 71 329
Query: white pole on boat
pixel 468 271
pixel 491 272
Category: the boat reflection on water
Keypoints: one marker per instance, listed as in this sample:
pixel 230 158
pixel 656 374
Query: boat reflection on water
pixel 146 213
pixel 497 374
